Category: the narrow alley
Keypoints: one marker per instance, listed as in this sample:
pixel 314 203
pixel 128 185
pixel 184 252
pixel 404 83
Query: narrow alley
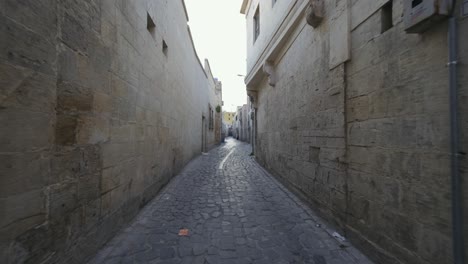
pixel 238 131
pixel 235 212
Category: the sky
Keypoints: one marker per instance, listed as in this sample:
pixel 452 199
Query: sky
pixel 218 30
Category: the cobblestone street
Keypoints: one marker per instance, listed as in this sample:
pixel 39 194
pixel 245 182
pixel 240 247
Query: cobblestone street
pixel 235 212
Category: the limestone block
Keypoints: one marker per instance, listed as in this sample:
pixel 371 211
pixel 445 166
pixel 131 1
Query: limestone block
pixel 364 82
pixel 363 133
pixel 113 200
pixel 437 213
pixel 366 31
pixel 434 245
pixel 62 200
pixel 24 210
pixel 338 203
pixel 65 130
pixel 71 164
pixel 362 9
pixel 79 24
pixel 26 48
pixel 75 35
pixel 359 209
pixel 102 104
pixel 331 156
pixel 340 35
pixel 88 188
pixel 67 65
pixel 92 214
pixel 114 153
pixel 26 90
pixel 93 71
pixel 10 78
pixel 379 104
pixel 112 178
pixel 92 130
pixel 74 98
pixel 391 192
pixel 19 130
pixel 23 173
pixel 108 29
pixel 39 16
pixel 121 134
pixel 358 108
pixel 406 231
pixel 119 87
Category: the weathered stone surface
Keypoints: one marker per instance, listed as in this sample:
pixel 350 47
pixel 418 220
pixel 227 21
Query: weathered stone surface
pixel 26 48
pixel 368 143
pixel 38 16
pixel 31 171
pixel 24 89
pixel 19 130
pixel 95 119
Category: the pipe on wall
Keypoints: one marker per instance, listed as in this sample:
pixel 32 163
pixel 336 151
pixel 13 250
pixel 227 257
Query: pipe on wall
pixel 457 208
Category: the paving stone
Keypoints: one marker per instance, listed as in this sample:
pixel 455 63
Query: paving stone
pixel 167 253
pixel 184 251
pixel 239 214
pixel 212 251
pixel 216 214
pixel 199 249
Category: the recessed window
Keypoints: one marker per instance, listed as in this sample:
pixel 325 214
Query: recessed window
pixel 164 47
pixel 150 25
pixel 387 16
pixel 211 117
pixel 256 21
pixel 415 3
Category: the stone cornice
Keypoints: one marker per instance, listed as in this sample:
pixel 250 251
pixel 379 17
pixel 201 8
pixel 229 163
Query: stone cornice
pixel 278 40
pixel 245 4
pixel 185 10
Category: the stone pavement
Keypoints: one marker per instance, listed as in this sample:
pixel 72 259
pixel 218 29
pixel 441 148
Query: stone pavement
pixel 235 212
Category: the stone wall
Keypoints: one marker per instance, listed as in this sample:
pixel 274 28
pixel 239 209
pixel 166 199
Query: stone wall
pixel 398 130
pixel 101 103
pixel 272 14
pixel 244 124
pixel 367 142
pixel 463 106
pixel 215 99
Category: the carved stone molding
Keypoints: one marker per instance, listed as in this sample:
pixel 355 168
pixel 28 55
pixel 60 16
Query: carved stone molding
pixel 315 13
pixel 269 70
pixel 253 98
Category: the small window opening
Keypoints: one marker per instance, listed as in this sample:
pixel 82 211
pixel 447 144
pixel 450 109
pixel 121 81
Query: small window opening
pixel 256 20
pixel 164 47
pixel 273 2
pixel 415 3
pixel 387 16
pixel 150 25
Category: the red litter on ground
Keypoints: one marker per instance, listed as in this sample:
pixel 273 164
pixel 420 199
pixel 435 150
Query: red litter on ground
pixel 183 232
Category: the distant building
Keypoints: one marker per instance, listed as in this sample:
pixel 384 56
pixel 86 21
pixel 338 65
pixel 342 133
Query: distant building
pixel 214 117
pixel 244 124
pixel 228 118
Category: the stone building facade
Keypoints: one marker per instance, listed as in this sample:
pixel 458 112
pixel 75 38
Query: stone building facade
pixel 241 125
pixel 228 117
pixel 101 103
pixel 353 115
pixel 214 109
